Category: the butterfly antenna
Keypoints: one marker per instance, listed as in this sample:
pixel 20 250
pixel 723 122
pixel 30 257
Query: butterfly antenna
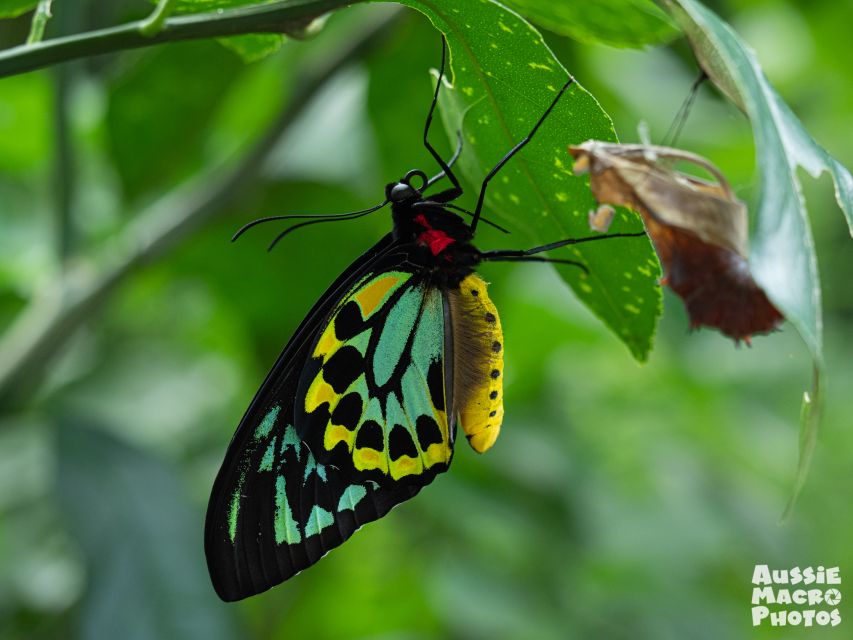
pixel 317 217
pixel 680 120
pixel 573 263
pixel 352 216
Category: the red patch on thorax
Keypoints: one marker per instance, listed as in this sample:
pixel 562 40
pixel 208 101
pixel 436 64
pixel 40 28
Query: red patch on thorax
pixel 436 240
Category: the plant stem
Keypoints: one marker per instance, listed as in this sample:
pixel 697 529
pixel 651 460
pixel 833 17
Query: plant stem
pixel 63 171
pixel 153 24
pixel 283 16
pixel 29 346
pixel 40 17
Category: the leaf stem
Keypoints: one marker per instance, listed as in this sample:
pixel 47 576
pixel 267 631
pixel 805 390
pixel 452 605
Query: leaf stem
pixel 40 17
pixel 283 16
pixel 153 24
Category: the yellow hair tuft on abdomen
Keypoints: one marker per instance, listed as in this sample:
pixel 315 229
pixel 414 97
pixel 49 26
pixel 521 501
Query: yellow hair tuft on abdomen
pixel 478 363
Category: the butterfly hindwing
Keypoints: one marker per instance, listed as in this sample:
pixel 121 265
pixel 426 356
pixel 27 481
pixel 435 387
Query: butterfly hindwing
pixel 373 395
pixel 350 422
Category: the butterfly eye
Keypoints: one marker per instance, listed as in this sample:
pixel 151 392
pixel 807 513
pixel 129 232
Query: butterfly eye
pixel 402 191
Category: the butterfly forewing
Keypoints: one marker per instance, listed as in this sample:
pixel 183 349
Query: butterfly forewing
pixel 350 422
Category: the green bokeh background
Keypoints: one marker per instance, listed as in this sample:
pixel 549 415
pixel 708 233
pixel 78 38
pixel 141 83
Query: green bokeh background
pixel 621 501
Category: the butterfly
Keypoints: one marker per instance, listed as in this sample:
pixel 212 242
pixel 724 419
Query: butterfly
pixel 360 410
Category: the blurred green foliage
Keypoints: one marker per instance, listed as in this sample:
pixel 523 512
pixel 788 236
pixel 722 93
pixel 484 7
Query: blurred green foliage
pixel 621 501
pixel 12 8
pixel 618 23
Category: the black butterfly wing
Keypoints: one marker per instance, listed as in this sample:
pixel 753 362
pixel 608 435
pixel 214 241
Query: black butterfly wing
pixel 283 498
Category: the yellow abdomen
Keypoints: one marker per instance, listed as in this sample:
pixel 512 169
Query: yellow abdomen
pixel 478 363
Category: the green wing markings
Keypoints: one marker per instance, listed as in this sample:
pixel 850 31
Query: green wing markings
pixel 286 527
pixel 351 496
pixel 234 510
pixel 267 423
pixel 311 466
pixel 318 520
pixel 269 456
pixel 377 391
pixel 390 347
pixel 262 431
pixel 291 440
pixel 372 293
pixel 429 338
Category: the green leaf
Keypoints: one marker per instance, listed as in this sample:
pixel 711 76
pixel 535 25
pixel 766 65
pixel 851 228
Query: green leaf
pixel 13 8
pixel 141 539
pixel 618 23
pixel 503 79
pixel 25 123
pixel 250 47
pixel 783 258
pixel 253 46
pixel 157 119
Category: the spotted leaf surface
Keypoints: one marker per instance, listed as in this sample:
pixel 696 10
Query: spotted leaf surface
pixel 500 84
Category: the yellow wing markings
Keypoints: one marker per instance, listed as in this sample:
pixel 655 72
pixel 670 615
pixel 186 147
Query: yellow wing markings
pixel 405 466
pixel 319 392
pixel 335 434
pixel 370 296
pixel 328 343
pixel 367 459
pixel 437 452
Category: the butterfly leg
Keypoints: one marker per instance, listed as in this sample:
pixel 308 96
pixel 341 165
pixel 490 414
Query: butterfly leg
pixel 456 190
pixel 677 125
pixel 450 164
pixel 529 255
pixel 433 201
pixel 511 153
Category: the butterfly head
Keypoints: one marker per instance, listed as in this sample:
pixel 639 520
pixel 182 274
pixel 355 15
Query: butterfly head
pixel 404 191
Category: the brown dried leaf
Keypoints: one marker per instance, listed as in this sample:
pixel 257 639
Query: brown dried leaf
pixel 699 230
pixel 600 219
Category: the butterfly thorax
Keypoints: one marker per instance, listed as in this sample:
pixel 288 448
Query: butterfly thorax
pixel 440 240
